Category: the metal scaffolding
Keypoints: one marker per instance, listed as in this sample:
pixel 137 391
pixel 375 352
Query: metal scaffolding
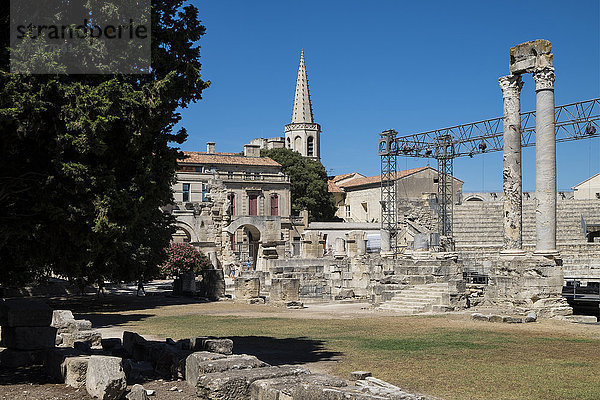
pixel 573 121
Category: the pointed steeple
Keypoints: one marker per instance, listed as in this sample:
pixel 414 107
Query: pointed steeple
pixel 302 111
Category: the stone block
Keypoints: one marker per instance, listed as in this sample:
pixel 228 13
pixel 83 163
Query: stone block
pixel 212 285
pixel 496 318
pixel 10 358
pixel 194 360
pixel 531 317
pixel 247 288
pixel 529 56
pixel 512 320
pixel 24 313
pixel 195 368
pixel 63 320
pixel 218 345
pixel 294 305
pixel 235 384
pixel 256 300
pixel 169 361
pixel 109 344
pixel 358 375
pixel 138 371
pixel 311 391
pixel 137 392
pixel 480 317
pixel 285 289
pixel 93 338
pixel 28 338
pixel 55 362
pixel 131 340
pixel 75 371
pixel 287 386
pixel 105 378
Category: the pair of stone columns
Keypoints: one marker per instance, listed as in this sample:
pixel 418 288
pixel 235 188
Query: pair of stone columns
pixel 545 164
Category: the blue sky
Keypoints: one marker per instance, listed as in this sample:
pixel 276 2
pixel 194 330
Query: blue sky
pixel 381 64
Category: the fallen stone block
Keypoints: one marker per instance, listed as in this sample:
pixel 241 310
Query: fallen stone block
pixel 246 288
pixel 531 317
pixel 512 320
pixel 358 375
pixel 130 340
pixel 75 371
pixel 105 378
pixel 192 364
pixel 109 344
pixel 287 386
pixel 28 338
pixel 496 318
pixel 138 371
pixel 63 320
pixel 93 338
pixel 196 368
pixel 24 313
pixel 311 391
pixel 235 385
pixel 480 317
pixel 170 362
pixel 11 358
pixel 295 305
pixel 137 392
pixel 345 294
pixel 55 362
pixel 256 300
pixel 221 346
pixel 580 318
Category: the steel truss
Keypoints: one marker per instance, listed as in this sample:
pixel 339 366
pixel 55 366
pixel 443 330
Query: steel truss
pixel 573 121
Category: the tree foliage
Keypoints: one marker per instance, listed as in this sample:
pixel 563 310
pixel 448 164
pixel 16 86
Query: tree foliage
pixel 309 186
pixel 86 159
pixel 183 257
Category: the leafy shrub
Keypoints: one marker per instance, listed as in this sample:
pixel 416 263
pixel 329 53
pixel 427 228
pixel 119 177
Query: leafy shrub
pixel 183 257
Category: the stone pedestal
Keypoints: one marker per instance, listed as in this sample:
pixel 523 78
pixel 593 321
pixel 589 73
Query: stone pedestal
pixel 247 288
pixel 285 289
pixel 312 245
pixel 511 165
pixel 545 163
pixel 212 284
pixel 527 283
pixel 339 251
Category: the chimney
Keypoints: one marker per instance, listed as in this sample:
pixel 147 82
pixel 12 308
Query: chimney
pixel 210 147
pixel 251 150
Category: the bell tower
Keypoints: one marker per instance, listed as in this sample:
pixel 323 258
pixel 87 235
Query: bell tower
pixel 303 134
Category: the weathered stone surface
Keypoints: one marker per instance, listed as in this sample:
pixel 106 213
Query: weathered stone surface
pixel 247 288
pixel 295 305
pixel 131 341
pixel 235 385
pixel 93 338
pixel 110 344
pixel 55 360
pixel 24 313
pixel 531 317
pixel 511 320
pixel 196 366
pixel 287 387
pixel 63 320
pixel 496 318
pixel 480 317
pixel 345 294
pixel 170 361
pixel 212 285
pixel 256 300
pixel 137 392
pixel 529 56
pixel 285 289
pixel 215 345
pixel 105 378
pixel 75 371
pixel 28 338
pixel 580 318
pixel 357 375
pixel 138 371
pixel 194 360
pixel 11 358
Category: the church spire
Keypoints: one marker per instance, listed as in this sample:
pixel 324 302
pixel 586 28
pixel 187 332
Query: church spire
pixel 302 111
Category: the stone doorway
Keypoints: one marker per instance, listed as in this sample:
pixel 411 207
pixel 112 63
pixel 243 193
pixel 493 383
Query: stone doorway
pixel 246 244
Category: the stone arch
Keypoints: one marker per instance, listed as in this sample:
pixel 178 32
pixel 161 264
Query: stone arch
pixel 188 229
pixel 253 223
pixel 298 144
pixel 310 146
pixel 474 198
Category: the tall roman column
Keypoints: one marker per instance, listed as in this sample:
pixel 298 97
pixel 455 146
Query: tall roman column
pixel 511 172
pixel 545 163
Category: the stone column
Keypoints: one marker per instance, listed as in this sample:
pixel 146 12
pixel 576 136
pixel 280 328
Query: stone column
pixel 511 171
pixel 545 163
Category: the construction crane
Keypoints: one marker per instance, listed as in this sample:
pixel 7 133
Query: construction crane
pixel 573 121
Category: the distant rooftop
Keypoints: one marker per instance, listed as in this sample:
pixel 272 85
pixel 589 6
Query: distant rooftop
pixel 196 157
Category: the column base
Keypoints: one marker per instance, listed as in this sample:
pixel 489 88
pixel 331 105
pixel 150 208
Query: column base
pixel 547 253
pixel 512 252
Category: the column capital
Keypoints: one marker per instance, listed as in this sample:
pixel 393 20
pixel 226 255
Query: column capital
pixel 511 85
pixel 544 78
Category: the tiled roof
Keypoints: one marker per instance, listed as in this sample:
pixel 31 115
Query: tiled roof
pixel 195 157
pixel 333 187
pixel 377 178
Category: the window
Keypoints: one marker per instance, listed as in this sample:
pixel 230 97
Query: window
pixel 197 169
pixel 204 192
pixel 289 143
pixel 186 192
pixel 310 146
pixel 230 175
pixel 253 204
pixel 231 198
pixel 274 204
pixel 347 211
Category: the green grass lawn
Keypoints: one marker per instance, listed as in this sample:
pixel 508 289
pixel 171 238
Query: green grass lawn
pixel 436 356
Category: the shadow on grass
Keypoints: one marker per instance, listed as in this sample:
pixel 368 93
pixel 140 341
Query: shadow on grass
pixel 283 351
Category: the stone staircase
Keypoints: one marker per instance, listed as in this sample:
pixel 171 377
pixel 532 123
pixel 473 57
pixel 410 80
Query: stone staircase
pixel 478 230
pixel 417 299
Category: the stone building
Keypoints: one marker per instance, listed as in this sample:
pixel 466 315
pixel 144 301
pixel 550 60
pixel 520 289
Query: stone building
pixel 588 189
pixel 235 206
pixel 358 197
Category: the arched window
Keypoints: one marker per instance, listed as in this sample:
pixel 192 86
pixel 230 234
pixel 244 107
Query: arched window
pixel 310 146
pixel 298 144
pixel 289 143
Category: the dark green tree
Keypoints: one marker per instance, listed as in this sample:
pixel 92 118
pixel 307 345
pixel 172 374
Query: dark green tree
pixel 87 160
pixel 308 184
